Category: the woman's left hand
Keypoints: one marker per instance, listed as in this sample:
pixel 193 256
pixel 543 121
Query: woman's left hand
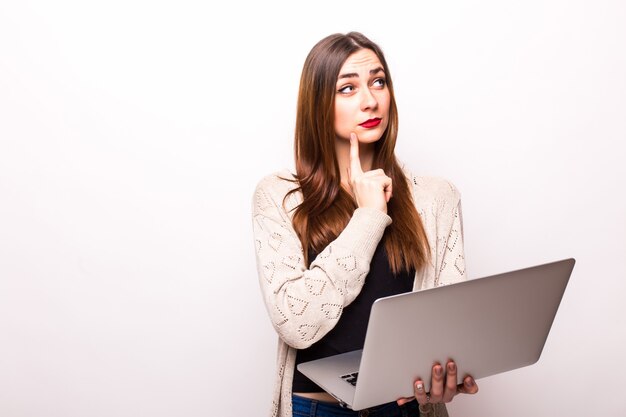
pixel 443 387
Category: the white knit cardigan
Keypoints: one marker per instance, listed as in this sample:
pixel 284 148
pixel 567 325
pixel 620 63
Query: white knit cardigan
pixel 305 303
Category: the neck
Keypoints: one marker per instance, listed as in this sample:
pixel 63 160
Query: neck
pixel 342 150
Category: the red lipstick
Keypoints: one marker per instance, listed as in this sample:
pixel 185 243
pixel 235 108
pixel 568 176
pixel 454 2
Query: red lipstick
pixel 368 124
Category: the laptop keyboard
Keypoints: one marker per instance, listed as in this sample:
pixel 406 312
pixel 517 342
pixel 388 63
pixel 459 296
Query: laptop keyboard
pixel 350 378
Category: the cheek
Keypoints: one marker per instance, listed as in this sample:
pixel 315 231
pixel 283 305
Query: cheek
pixel 386 101
pixel 342 116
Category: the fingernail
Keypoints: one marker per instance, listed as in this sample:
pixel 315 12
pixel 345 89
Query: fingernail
pixel 420 387
pixel 452 367
pixel 438 370
pixel 469 383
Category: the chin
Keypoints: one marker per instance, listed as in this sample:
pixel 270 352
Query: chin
pixel 370 136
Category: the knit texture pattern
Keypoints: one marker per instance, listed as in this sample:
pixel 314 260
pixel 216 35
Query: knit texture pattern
pixel 304 304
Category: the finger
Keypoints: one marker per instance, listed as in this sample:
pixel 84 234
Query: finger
pixel 420 392
pixel 469 386
pixel 388 188
pixel 404 400
pixel 436 388
pixel 450 389
pixel 355 161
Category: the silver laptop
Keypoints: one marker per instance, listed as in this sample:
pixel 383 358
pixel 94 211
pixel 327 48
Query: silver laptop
pixel 487 325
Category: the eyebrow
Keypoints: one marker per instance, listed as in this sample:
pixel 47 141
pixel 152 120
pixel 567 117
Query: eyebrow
pixel 354 74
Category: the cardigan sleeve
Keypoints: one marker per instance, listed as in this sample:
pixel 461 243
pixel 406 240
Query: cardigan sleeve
pixel 438 203
pixel 451 265
pixel 304 303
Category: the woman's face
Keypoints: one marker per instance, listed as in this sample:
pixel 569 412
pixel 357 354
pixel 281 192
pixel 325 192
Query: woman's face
pixel 361 98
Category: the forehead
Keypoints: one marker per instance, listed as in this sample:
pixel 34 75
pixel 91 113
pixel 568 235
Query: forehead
pixel 361 61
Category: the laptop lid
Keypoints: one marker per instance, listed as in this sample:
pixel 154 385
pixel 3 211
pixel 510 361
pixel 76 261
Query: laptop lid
pixel 487 325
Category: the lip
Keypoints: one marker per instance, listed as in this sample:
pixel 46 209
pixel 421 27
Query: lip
pixel 368 124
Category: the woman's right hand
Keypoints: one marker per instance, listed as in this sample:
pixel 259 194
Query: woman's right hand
pixel 371 188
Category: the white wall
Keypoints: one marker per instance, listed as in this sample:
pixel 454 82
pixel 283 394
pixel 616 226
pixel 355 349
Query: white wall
pixel 133 132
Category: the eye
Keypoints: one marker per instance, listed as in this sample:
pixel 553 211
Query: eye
pixel 346 89
pixel 379 82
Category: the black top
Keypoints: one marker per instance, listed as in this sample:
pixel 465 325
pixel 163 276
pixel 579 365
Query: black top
pixel 349 332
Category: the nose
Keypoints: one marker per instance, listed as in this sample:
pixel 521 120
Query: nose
pixel 368 100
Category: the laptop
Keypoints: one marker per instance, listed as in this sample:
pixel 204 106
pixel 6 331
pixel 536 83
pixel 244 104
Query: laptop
pixel 486 325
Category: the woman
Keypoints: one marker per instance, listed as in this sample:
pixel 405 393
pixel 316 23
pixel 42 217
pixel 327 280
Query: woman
pixel 350 226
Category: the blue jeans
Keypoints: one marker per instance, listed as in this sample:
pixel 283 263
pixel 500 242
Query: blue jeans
pixel 304 407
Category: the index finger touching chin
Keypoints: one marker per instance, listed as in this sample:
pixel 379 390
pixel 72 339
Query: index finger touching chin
pixel 355 161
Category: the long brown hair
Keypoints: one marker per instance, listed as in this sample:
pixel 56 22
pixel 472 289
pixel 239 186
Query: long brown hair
pixel 326 207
